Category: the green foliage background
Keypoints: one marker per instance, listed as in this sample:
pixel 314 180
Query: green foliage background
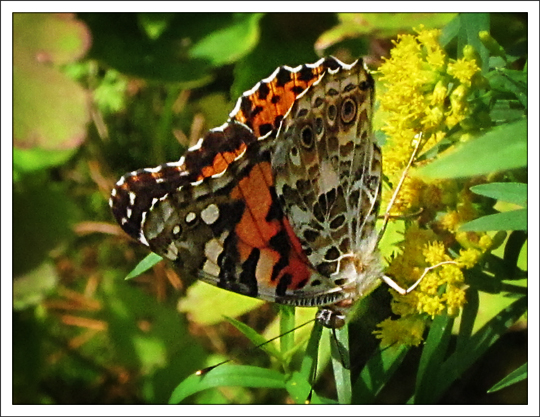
pixel 98 95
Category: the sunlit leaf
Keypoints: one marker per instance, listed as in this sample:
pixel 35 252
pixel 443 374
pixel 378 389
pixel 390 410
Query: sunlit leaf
pixel 516 376
pixel 226 376
pixel 509 220
pixel 500 149
pixel 206 304
pixel 511 192
pixel 144 265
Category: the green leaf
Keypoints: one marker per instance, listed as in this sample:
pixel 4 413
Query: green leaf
pixel 509 220
pixel 298 388
pixel 468 317
pixel 35 159
pixel 144 265
pixel 500 149
pixel 433 355
pixel 510 81
pixel 384 25
pixel 512 192
pixel 470 25
pixel 309 362
pixel 229 44
pixel 256 338
pixel 512 250
pixel 462 359
pixel 450 31
pixel 205 303
pixel 286 325
pixel 516 376
pixel 228 376
pixel 377 372
pixel 341 364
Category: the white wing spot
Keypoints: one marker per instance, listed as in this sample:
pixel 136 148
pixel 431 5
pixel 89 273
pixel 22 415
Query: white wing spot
pixel 210 214
pixel 212 250
pixel 190 217
pixel 172 252
pixel 211 269
pixel 176 230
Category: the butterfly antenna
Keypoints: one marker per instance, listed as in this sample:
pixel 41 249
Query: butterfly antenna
pixel 398 187
pixel 204 371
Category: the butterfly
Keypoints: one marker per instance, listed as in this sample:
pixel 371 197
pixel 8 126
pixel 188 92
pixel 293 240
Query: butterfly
pixel 278 203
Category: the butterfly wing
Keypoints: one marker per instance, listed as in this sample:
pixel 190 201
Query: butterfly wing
pixel 328 172
pixel 216 214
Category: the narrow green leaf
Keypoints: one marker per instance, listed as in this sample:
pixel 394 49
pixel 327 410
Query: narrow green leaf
pixel 377 372
pixel 433 354
pixel 512 192
pixel 512 252
pixel 316 400
pixel 462 359
pixel 450 31
pixel 298 388
pixel 509 220
pixel 309 362
pixel 468 317
pixel 286 325
pixel 501 148
pixel 510 81
pixel 144 265
pixel 228 376
pixel 256 338
pixel 517 375
pixel 341 365
pixel 471 25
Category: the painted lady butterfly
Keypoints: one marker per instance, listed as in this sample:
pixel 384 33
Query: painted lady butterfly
pixel 280 202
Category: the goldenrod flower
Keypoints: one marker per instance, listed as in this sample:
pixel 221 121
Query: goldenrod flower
pixel 406 331
pixel 464 70
pixel 425 95
pixel 469 257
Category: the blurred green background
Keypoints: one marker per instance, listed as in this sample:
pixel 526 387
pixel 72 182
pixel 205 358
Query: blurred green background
pixel 98 95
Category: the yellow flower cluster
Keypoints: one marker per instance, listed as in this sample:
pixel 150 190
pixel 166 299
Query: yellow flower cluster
pixel 424 94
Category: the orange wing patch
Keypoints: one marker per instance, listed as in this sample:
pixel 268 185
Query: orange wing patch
pixel 263 107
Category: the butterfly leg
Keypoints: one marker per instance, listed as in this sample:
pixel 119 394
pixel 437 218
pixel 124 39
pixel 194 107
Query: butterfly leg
pixel 394 285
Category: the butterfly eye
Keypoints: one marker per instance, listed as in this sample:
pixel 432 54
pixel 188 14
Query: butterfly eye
pixel 348 110
pixel 306 137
